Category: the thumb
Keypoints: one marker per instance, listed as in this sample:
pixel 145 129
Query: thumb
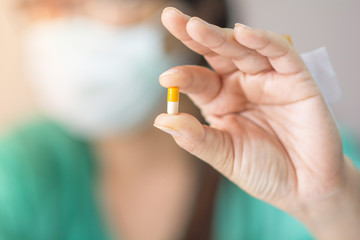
pixel 210 145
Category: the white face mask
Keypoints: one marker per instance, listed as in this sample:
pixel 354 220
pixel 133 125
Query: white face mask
pixel 97 79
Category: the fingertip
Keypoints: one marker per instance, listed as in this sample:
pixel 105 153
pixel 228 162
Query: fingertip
pixel 196 20
pixel 169 78
pixel 175 120
pixel 193 24
pixel 171 72
pixel 168 9
pixel 184 124
pixel 159 120
pixel 170 121
pixel 210 145
pixel 175 21
pixel 172 9
pixel 242 27
pixel 166 16
pixel 205 33
pixel 168 12
pixel 175 77
pixel 168 130
pixel 239 31
pixel 249 37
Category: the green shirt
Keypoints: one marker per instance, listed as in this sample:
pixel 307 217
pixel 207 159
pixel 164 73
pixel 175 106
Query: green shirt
pixel 47 180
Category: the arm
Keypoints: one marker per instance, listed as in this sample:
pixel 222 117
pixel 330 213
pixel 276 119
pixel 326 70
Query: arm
pixel 338 216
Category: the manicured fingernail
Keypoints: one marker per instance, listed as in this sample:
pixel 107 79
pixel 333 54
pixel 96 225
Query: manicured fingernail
pixel 170 72
pixel 168 130
pixel 242 25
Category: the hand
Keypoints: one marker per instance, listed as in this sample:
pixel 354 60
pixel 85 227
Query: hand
pixel 270 131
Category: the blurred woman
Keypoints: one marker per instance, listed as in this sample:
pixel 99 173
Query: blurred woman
pixel 96 169
pixel 93 166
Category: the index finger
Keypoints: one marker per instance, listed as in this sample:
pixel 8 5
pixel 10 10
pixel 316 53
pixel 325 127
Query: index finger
pixel 176 22
pixel 218 45
pixel 206 89
pixel 200 83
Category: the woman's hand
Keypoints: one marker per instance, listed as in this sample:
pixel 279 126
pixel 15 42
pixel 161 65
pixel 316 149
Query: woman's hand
pixel 270 131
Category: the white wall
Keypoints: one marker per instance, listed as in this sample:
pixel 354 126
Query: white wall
pixel 315 23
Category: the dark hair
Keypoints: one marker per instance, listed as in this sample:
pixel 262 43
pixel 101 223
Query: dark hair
pixel 213 11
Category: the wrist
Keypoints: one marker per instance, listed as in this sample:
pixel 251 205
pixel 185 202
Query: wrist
pixel 338 216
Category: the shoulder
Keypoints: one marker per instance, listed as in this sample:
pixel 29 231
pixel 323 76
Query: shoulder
pixel 39 150
pixel 32 146
pixel 37 141
pixel 25 145
pixel 22 166
pixel 41 168
pixel 35 130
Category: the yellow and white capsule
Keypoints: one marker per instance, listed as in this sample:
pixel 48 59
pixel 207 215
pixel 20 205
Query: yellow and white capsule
pixel 173 100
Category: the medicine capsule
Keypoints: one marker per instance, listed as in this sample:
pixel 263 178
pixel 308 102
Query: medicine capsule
pixel 173 100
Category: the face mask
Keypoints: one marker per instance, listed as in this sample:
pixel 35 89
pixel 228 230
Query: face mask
pixel 97 79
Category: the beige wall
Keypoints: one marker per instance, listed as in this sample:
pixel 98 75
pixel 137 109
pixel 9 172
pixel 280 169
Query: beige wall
pixel 15 100
pixel 315 23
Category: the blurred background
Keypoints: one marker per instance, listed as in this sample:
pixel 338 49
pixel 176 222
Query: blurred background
pixel 312 24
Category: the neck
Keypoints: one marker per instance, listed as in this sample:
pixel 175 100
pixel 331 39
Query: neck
pixel 143 151
pixel 148 183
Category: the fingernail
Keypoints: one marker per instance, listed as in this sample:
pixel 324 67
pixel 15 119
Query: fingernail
pixel 173 9
pixel 168 130
pixel 242 25
pixel 199 20
pixel 170 72
pixel 212 27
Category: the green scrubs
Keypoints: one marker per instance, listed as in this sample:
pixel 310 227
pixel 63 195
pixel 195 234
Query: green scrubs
pixel 47 180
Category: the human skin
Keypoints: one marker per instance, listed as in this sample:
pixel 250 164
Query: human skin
pixel 146 185
pixel 270 130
